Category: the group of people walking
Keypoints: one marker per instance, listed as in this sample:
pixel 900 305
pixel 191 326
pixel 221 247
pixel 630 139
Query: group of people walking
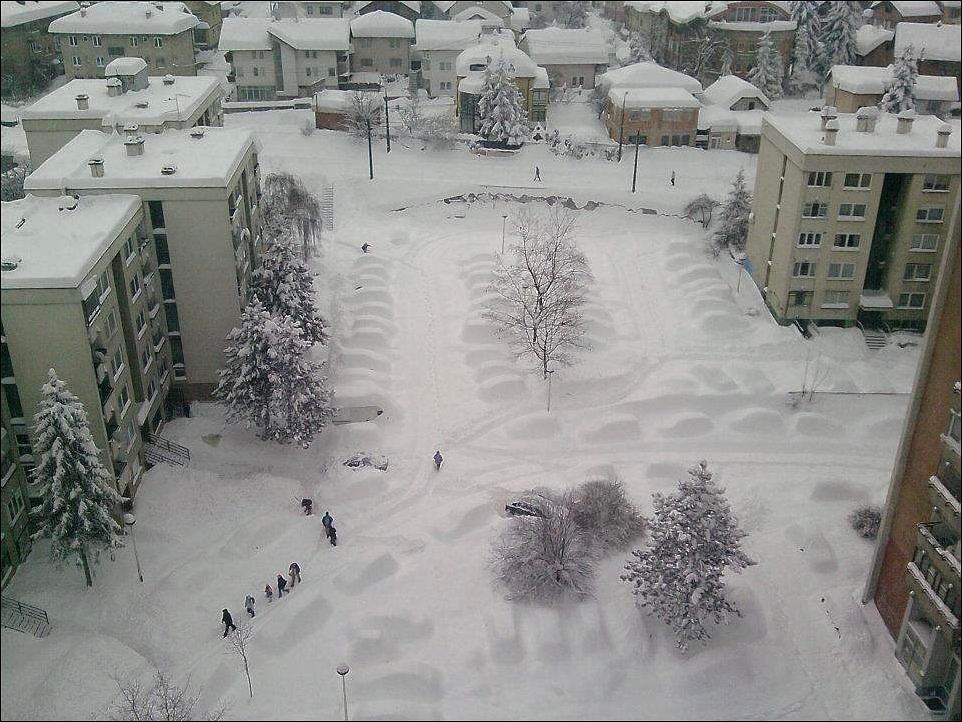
pixel 283 586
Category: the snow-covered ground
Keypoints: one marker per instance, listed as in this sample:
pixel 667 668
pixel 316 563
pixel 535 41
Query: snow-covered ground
pixel 679 370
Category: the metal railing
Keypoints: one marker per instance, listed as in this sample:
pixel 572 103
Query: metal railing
pixel 24 618
pixel 169 451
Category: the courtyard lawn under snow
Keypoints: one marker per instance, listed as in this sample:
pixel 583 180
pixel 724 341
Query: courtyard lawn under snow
pixel 681 368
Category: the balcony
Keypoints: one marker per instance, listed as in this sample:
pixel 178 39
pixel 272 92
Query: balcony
pixel 934 608
pixel 944 501
pixel 104 388
pixel 934 540
pixel 158 340
pixel 153 305
pixel 111 425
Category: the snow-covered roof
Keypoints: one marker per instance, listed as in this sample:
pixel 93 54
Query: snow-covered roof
pixel 126 18
pixel 444 5
pixel 209 161
pixel 59 240
pixel 932 41
pixel 313 33
pixel 162 105
pixel 639 98
pixel 773 26
pixel 382 24
pixel 913 8
pixel 446 35
pixel 729 89
pixel 871 80
pixel 718 118
pixel 238 33
pixel 128 65
pixel 541 80
pixel 553 46
pixel 868 37
pixel 331 100
pixel 684 11
pixel 14 13
pixel 410 4
pixel 520 19
pixel 804 131
pixel 648 75
pixel 524 67
pixel 487 18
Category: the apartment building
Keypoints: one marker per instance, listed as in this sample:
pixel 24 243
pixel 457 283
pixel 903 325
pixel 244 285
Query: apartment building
pixel 211 16
pixel 915 574
pixel 200 189
pixel 938 48
pixel 651 116
pixel 96 34
pixel 382 43
pixel 126 96
pixel 15 539
pixel 850 87
pixel 850 215
pixel 530 79
pixel 889 13
pixel 572 57
pixel 80 295
pixel 322 9
pixel 439 42
pixel 29 51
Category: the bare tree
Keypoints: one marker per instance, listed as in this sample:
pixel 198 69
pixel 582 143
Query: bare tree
pixel 411 116
pixel 238 642
pixel 363 113
pixel 814 374
pixel 290 209
pixel 539 296
pixel 161 700
pixel 603 512
pixel 700 209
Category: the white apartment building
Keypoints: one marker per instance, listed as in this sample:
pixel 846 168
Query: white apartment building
pixel 382 43
pixel 572 57
pixel 439 42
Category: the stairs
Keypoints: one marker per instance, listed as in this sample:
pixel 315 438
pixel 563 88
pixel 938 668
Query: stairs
pixel 875 339
pixel 327 207
pixel 159 450
pixel 24 618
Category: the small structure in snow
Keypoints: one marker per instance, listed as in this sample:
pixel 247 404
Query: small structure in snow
pixel 363 459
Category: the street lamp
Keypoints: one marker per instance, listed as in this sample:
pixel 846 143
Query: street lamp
pixel 504 222
pixel 621 133
pixel 129 521
pixel 634 174
pixel 387 121
pixel 550 374
pixel 343 669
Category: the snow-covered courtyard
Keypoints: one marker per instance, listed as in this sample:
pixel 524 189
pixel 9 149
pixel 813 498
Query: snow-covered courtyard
pixel 685 363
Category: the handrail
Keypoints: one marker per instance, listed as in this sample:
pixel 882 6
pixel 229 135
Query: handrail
pixel 167 445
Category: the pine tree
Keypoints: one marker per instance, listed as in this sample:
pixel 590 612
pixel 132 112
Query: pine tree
pixel 768 72
pixel 805 55
pixel 269 383
pixel 838 35
pixel 284 286
pixel 900 95
pixel 639 49
pixel 572 14
pixel 732 230
pixel 503 117
pixel 694 538
pixel 76 508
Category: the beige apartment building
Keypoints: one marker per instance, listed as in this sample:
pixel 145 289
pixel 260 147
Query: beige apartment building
pixel 382 43
pixel 850 214
pixel 200 191
pixel 96 34
pixel 439 42
pixel 15 541
pixel 80 295
pixel 126 96
pixel 28 50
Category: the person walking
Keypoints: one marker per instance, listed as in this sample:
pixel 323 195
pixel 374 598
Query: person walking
pixel 673 178
pixel 332 535
pixel 537 174
pixel 327 520
pixel 281 585
pixel 249 605
pixel 437 460
pixel 295 570
pixel 228 621
pixel 269 593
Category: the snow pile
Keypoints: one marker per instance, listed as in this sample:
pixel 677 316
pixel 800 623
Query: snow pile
pixel 382 24
pixel 363 459
pixel 648 75
pixel 932 41
pixel 729 89
pixel 125 18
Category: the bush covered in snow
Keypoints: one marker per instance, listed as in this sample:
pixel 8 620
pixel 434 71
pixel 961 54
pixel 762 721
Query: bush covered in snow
pixel 11 183
pixel 361 459
pixel 865 520
pixel 700 209
pixel 571 146
pixel 604 513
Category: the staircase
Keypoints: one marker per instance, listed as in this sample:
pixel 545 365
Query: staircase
pixel 24 618
pixel 159 450
pixel 327 207
pixel 875 339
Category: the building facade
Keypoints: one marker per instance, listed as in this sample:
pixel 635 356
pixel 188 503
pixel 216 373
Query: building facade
pixel 382 43
pixel 572 57
pixel 30 53
pixel 651 116
pixel 888 14
pixel 439 42
pixel 15 539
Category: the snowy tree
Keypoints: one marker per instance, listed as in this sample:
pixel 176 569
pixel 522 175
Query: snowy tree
pixel 364 113
pixel 291 210
pixel 768 71
pixel 639 49
pixel 805 54
pixel 573 14
pixel 76 508
pixel 900 95
pixel 603 512
pixel 838 35
pixel 732 232
pixel 284 286
pixel 410 113
pixel 727 58
pixel 268 382
pixel 238 643
pixel 700 209
pixel 11 182
pixel 503 118
pixel 161 700
pixel 694 538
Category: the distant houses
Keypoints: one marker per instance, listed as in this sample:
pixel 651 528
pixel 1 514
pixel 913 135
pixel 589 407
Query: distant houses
pixel 850 87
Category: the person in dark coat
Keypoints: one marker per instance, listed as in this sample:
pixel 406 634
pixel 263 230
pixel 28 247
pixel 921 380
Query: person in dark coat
pixel 269 593
pixel 281 585
pixel 228 621
pixel 332 535
pixel 249 605
pixel 438 459
pixel 295 573
pixel 327 519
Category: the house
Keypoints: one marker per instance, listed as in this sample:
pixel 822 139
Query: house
pixel 499 8
pixel 733 93
pixel 850 87
pixel 951 11
pixel 732 116
pixel 651 116
pixel 490 21
pixel 938 47
pixel 249 49
pixel 309 9
pixel 30 53
pixel 15 527
pixel 571 57
pixel 875 45
pixel 382 43
pixel 648 75
pixel 408 10
pixel 888 14
pixel 211 14
pixel 438 44
pixel 123 98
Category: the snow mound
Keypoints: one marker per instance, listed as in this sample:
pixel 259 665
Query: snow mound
pixel 689 424
pixel 620 427
pixel 723 324
pixel 812 424
pixel 758 421
pixel 476 332
pixel 534 426
pixel 502 388
pixel 361 459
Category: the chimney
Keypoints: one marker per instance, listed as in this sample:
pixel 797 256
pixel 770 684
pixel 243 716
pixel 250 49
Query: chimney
pixel 866 118
pixel 197 132
pixel 942 139
pixel 131 129
pixel 114 87
pixel 831 132
pixel 83 9
pixel 148 9
pixel 134 146
pixel 168 79
pixel 829 112
pixel 96 167
pixel 906 118
pixel 83 102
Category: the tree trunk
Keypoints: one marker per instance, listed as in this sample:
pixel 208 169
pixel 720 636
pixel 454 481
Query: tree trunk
pixel 86 566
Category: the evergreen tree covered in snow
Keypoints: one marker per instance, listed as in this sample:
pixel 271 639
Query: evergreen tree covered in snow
pixel 732 231
pixel 694 538
pixel 639 49
pixel 572 14
pixel 503 118
pixel 284 286
pixel 269 383
pixel 805 54
pixel 838 35
pixel 75 512
pixel 768 72
pixel 900 95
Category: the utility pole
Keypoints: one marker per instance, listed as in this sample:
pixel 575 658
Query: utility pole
pixel 129 521
pixel 387 123
pixel 370 151
pixel 621 133
pixel 343 669
pixel 504 222
pixel 550 374
pixel 634 175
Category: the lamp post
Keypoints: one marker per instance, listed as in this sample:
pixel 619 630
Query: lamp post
pixel 550 373
pixel 387 122
pixel 343 669
pixel 621 133
pixel 129 521
pixel 634 175
pixel 504 222
pixel 370 151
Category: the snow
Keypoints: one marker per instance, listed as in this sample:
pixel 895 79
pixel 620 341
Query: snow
pixel 382 24
pixel 914 8
pixel 871 80
pixel 648 75
pixel 313 33
pixel 61 239
pixel 446 35
pixel 868 37
pixel 931 41
pixel 773 26
pixel 729 89
pixel 520 19
pixel 717 117
pixel 14 13
pixel 552 46
pixel 488 19
pixel 124 66
pixel 681 11
pixel 639 98
pixel 524 66
pixel 125 18
pixel 239 33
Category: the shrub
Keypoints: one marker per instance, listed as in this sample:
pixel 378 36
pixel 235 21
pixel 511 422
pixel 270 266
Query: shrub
pixel 602 511
pixel 865 520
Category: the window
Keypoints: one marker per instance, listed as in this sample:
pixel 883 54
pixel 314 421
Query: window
pixel 77 62
pixel 665 140
pixel 847 240
pixel 798 298
pixel 367 63
pixel 325 10
pixel 255 71
pixel 835 299
pixel 933 182
pixel 851 210
pixel 160 62
pixel 141 322
pixel 917 272
pixel 911 300
pixel 804 269
pixel 929 215
pixel 134 286
pixel 146 358
pixel 857 181
pixel 395 42
pixel 814 209
pixel 15 504
pixel 363 42
pixel 101 61
pixel 72 41
pixel 819 179
pixel 842 271
pixel 158 42
pixel 110 325
pixel 395 62
pixel 954 425
pixel 133 41
pixel 924 242
pixel 809 240
pixel 117 362
pixel 238 72
pixel 331 72
pixel 116 52
pixel 307 72
pixel 98 41
pixel 123 399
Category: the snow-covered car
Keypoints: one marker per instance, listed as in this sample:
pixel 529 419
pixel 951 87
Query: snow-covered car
pixel 529 506
pixel 366 458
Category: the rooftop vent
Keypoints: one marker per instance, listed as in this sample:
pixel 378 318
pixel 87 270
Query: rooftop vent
pixel 68 203
pixel 168 79
pixel 10 263
pixel 831 132
pixel 865 119
pixel 148 9
pixel 114 87
pixel 83 101
pixel 169 169
pixel 829 112
pixel 131 129
pixel 83 9
pixel 906 118
pixel 96 167
pixel 942 139
pixel 197 133
pixel 134 145
pixel 141 104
